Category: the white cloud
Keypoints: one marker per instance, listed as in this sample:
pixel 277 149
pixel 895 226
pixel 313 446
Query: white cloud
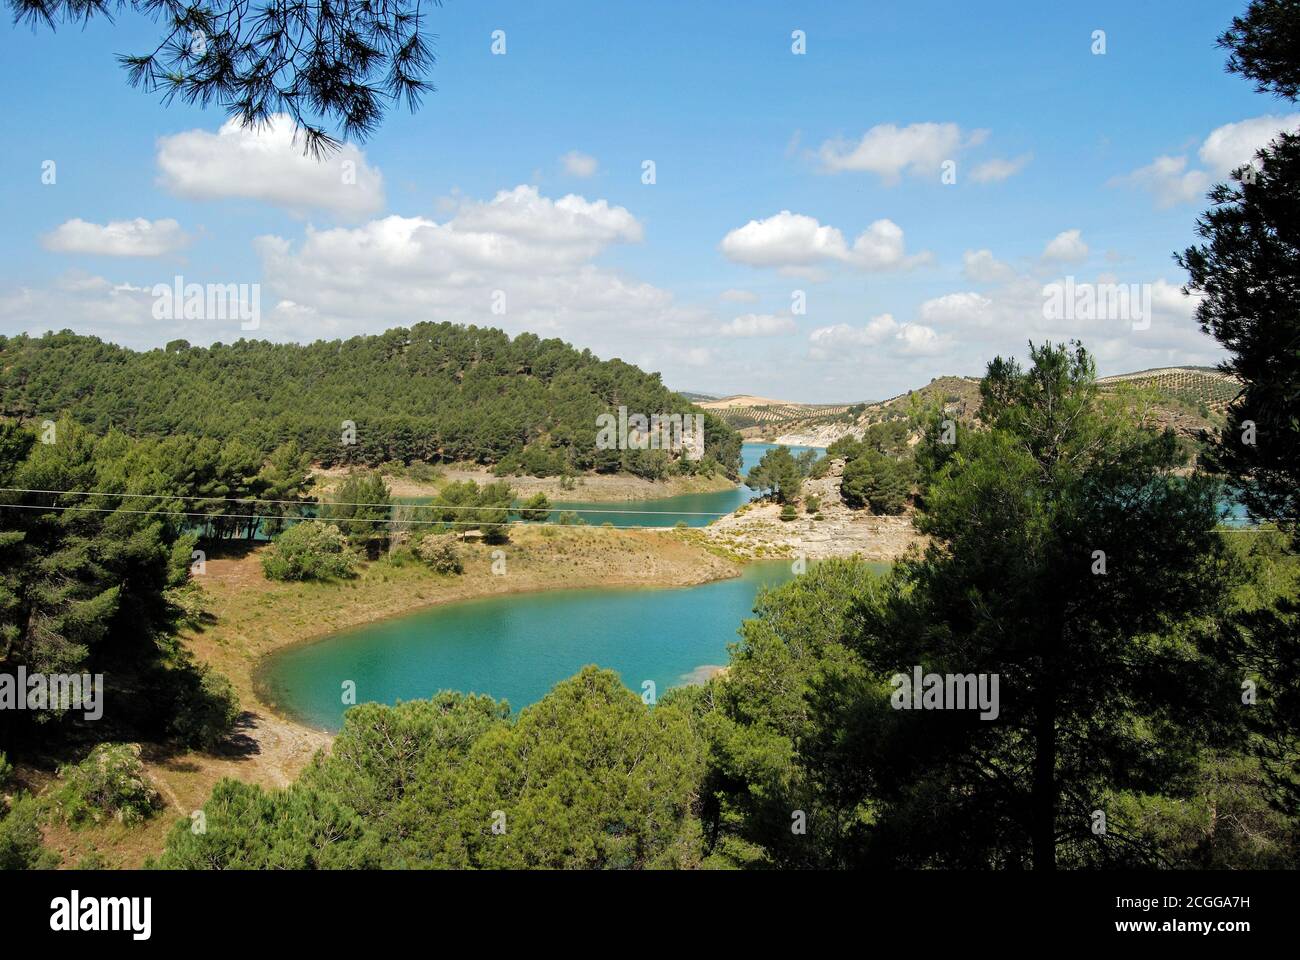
pixel 997 169
pixel 847 343
pixel 881 247
pixel 958 310
pixel 1172 181
pixel 119 238
pixel 784 240
pixel 889 151
pixel 571 227
pixel 1002 320
pixel 536 252
pixel 87 304
pixel 268 164
pixel 1233 144
pixel 918 339
pixel 578 164
pixel 738 296
pixel 793 243
pixel 758 325
pixel 980 266
pixel 1067 246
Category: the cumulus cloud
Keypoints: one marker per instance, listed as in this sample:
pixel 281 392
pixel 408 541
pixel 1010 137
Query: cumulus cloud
pixel 992 171
pixel 578 164
pixel 785 240
pixel 1002 320
pixel 889 151
pixel 1172 180
pixel 980 266
pixel 1233 144
pixel 841 341
pixel 88 304
pixel 267 163
pixel 758 325
pixel 881 247
pixel 520 261
pixel 1169 180
pixel 1067 246
pixel 118 238
pixel 795 243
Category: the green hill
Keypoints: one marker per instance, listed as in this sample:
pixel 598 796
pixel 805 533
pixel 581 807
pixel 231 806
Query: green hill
pixel 434 392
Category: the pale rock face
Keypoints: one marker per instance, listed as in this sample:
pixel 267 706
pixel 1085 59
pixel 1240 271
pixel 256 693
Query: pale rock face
pixel 758 531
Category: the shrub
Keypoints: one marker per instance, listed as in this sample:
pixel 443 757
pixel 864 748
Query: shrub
pixel 310 550
pixel 399 556
pixel 535 508
pixel 6 769
pixel 20 838
pixel 111 782
pixel 570 518
pixel 877 481
pixel 812 503
pixel 422 472
pixel 439 551
pixel 788 512
pixel 206 707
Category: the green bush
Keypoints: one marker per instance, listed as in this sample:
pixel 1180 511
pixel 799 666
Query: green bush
pixel 812 503
pixel 788 512
pixel 422 472
pixel 310 550
pixel 877 481
pixel 111 782
pixel 438 550
pixel 536 508
pixel 6 769
pixel 403 556
pixel 206 707
pixel 20 838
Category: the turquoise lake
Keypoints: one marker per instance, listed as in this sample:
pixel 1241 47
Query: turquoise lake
pixel 693 509
pixel 517 647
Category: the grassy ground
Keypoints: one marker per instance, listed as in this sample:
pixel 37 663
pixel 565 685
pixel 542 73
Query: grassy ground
pixel 252 616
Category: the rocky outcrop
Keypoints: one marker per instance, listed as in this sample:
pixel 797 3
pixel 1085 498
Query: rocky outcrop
pixel 757 531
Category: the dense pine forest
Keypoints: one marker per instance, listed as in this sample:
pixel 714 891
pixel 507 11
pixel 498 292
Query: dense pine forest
pixel 434 392
pixel 1074 554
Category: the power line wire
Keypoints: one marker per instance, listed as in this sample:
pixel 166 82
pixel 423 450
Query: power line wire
pixel 332 503
pixel 299 519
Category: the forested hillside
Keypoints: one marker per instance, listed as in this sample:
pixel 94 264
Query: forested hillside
pixel 434 392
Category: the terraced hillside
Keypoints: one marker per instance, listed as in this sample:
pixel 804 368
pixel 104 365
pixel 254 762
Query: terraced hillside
pixel 759 419
pixel 1189 399
pixel 1204 389
pixel 819 424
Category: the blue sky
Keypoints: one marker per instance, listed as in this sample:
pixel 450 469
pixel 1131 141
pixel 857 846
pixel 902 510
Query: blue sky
pixel 1067 164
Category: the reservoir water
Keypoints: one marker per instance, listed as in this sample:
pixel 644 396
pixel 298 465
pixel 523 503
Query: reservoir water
pixel 517 647
pixel 693 509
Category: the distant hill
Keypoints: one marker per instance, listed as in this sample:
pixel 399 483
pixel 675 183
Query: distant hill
pixel 1190 399
pixel 433 392
pixel 1198 387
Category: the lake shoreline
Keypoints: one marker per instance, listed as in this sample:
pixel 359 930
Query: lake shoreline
pixel 267 700
pixel 253 618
